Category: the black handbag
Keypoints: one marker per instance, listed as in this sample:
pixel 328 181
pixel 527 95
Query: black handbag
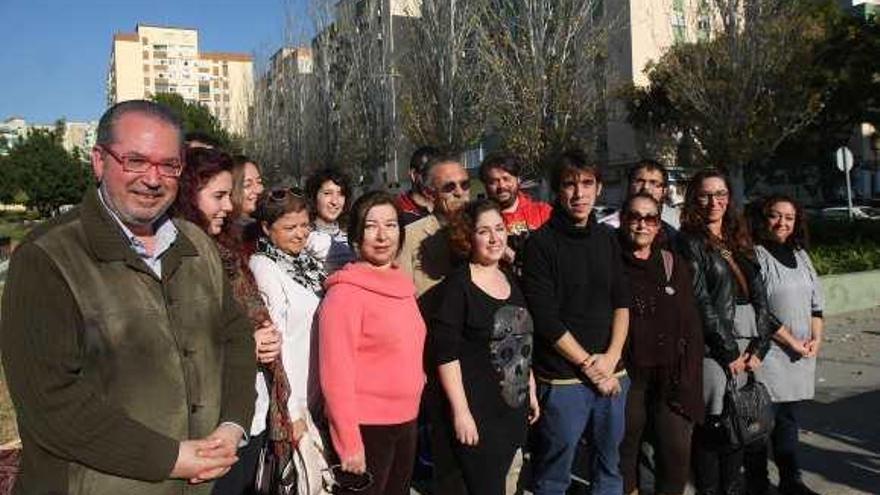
pixel 748 412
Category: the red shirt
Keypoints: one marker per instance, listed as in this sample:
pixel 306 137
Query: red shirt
pixel 529 215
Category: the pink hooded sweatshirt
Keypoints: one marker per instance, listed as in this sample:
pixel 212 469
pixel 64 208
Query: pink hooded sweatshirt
pixel 371 339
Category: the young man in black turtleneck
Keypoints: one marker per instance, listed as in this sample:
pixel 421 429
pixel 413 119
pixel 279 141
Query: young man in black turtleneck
pixel 574 282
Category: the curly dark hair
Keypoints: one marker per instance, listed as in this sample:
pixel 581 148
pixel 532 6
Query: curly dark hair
pixel 336 176
pixel 734 230
pixel 362 207
pixel 463 224
pixel 202 165
pixel 799 238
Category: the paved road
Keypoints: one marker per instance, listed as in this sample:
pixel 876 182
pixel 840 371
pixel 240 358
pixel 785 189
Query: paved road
pixel 841 428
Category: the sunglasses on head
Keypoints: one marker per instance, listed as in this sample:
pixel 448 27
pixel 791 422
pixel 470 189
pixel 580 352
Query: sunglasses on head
pixel 449 187
pixel 281 193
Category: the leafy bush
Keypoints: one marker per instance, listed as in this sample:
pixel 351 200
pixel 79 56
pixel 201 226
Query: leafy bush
pixel 843 247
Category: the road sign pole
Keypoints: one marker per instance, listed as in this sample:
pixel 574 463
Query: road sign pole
pixel 844 158
pixel 849 195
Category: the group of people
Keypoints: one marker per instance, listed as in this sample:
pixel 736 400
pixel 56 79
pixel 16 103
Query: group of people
pixel 185 319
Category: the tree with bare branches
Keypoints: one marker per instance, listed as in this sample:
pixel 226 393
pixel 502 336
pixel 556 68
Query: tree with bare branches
pixel 546 60
pixel 444 81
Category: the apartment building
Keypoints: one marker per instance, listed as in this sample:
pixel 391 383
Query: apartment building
pixel 643 31
pixel 164 59
pixel 77 135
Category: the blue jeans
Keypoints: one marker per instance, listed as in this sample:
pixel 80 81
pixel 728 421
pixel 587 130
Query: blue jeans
pixel 566 410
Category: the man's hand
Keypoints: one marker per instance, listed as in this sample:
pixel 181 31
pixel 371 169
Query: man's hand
pixel 267 340
pixel 194 466
pixel 609 387
pixel 228 437
pixel 600 367
pixel 534 405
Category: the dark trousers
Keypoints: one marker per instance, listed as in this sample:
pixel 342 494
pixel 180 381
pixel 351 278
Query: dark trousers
pixel 717 467
pixel 390 450
pixel 672 440
pixel 240 479
pixel 785 445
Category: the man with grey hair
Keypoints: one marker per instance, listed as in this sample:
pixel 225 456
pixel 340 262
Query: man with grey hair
pixel 130 365
pixel 425 252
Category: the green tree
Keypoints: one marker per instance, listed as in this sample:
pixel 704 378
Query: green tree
pixel 8 184
pixel 46 173
pixel 740 94
pixel 197 118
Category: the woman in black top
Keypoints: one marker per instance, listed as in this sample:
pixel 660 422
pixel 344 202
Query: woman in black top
pixel 737 324
pixel 664 355
pixel 481 339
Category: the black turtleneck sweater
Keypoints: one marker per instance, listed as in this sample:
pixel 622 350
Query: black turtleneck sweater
pixel 573 280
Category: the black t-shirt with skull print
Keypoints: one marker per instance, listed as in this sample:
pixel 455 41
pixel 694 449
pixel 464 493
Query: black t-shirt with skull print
pixel 492 340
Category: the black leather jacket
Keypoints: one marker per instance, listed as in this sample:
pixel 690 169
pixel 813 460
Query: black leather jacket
pixel 715 290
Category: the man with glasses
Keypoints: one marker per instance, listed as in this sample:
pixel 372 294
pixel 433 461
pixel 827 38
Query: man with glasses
pixel 130 365
pixel 651 177
pixel 425 252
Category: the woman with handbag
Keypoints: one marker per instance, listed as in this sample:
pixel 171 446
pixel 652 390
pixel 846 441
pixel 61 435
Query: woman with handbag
pixel 481 342
pixel 371 342
pixel 203 198
pixel 737 324
pixel 664 355
pixel 794 295
pixel 290 281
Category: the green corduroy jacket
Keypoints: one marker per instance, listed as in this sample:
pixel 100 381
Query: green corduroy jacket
pixel 109 366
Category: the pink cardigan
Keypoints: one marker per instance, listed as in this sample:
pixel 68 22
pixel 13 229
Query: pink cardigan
pixel 371 340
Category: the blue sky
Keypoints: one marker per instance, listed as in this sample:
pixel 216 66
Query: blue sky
pixel 54 54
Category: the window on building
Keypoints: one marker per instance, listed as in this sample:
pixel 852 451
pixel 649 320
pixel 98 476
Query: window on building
pixel 146 81
pixel 145 40
pixel 226 98
pixel 146 67
pixel 225 69
pixel 146 55
pixel 679 22
pixel 217 98
pixel 216 71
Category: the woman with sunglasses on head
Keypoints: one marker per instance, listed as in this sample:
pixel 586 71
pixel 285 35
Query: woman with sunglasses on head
pixel 204 199
pixel 737 323
pixel 329 194
pixel 371 341
pixel 290 281
pixel 664 355
pixel 795 296
pixel 481 340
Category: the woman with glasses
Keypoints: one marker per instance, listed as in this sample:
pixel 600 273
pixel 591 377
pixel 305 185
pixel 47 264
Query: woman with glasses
pixel 481 339
pixel 329 193
pixel 795 296
pixel 371 340
pixel 664 355
pixel 737 324
pixel 203 198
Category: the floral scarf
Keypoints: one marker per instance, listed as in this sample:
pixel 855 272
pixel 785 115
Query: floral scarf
pixel 303 268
